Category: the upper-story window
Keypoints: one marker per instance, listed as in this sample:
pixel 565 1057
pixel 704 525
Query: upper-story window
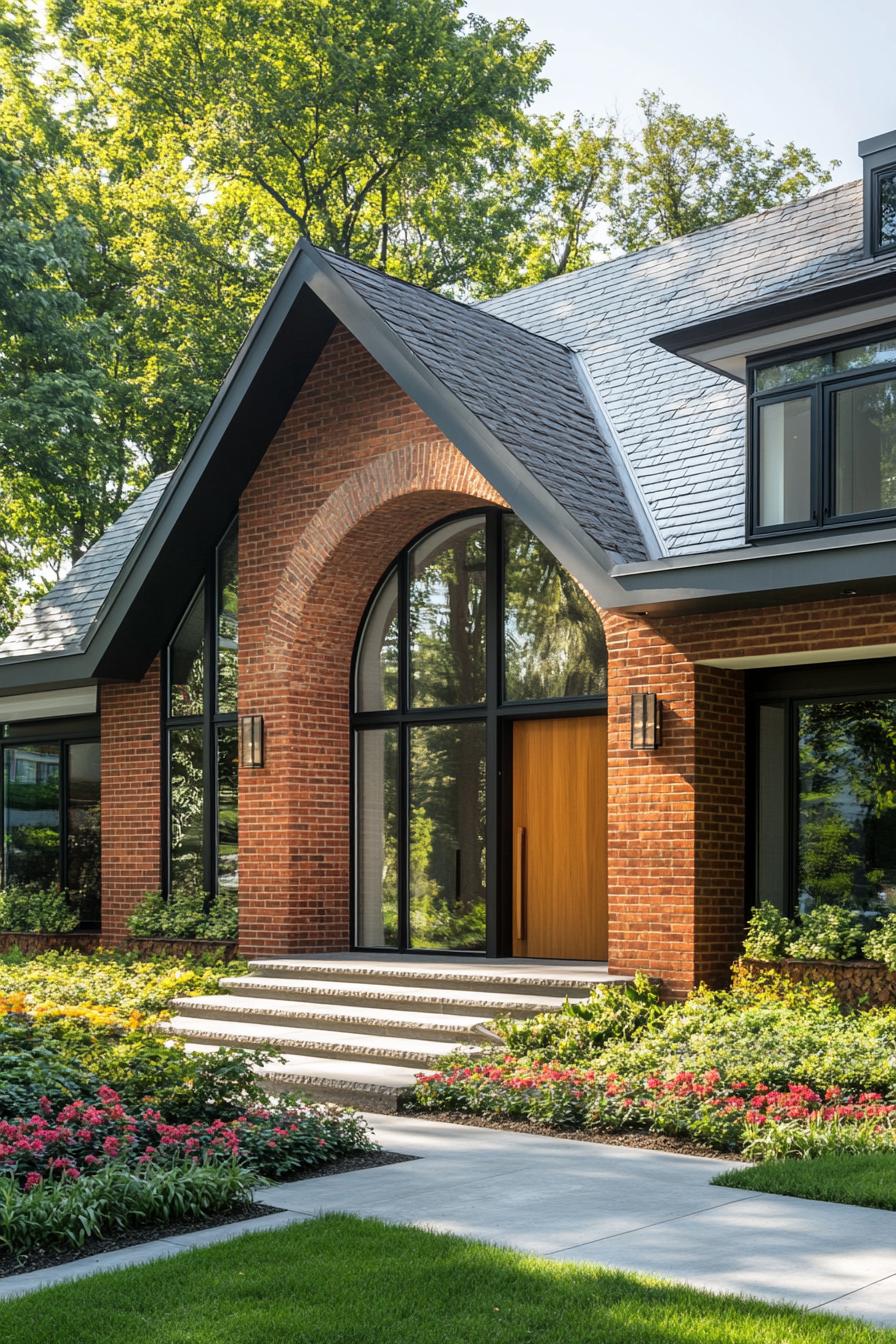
pixel 879 189
pixel 823 438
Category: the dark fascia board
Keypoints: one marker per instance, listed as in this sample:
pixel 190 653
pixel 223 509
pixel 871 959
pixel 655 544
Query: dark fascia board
pixel 130 627
pixel 806 570
pixel 743 321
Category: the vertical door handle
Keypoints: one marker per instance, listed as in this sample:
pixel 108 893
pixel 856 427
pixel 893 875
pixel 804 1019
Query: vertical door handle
pixel 519 882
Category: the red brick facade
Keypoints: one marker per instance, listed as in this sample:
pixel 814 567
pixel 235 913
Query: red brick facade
pixel 355 471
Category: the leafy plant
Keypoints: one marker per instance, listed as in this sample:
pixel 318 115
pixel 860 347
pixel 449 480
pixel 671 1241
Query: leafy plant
pixel 880 943
pixel 578 1030
pixel 769 933
pixel 186 913
pixel 35 909
pixel 828 933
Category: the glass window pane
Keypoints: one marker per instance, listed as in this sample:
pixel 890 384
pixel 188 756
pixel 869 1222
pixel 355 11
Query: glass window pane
pixel 186 662
pixel 376 837
pixel 447 836
pixel 186 808
pixel 227 622
pixel 785 462
pixel 865 447
pixel 796 371
pixel 448 616
pixel 31 814
pixel 847 804
pixel 83 858
pixel 228 869
pixel 553 638
pixel 866 356
pixel 376 669
pixel 887 215
pixel 771 805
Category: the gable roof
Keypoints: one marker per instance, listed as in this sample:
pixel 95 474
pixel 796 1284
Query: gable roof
pixel 680 426
pixel 509 399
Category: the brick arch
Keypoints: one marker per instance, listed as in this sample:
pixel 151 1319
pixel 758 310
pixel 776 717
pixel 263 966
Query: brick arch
pixel 295 814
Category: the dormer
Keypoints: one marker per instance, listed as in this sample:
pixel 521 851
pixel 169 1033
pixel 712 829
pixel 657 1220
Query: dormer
pixel 878 157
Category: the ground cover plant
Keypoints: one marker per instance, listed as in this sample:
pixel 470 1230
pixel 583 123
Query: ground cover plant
pixel 768 1068
pixel 342 1280
pixel 90 1088
pixel 841 1178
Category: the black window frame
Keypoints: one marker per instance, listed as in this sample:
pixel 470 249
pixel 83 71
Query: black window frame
pixel 820 391
pixel 495 711
pixel 209 721
pixel 63 733
pixel 877 247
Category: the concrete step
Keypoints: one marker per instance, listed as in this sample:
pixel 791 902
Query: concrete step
pixel 358 1018
pixel 511 974
pixel 386 994
pixel 345 1082
pixel 411 1052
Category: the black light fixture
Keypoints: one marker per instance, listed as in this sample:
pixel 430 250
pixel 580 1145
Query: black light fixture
pixel 647 721
pixel 251 741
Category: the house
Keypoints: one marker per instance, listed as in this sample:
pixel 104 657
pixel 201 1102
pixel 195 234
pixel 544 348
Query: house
pixel 558 626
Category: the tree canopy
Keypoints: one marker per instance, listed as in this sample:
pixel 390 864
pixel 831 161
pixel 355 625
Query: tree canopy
pixel 157 163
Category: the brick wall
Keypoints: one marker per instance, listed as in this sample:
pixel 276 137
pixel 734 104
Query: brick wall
pixel 130 798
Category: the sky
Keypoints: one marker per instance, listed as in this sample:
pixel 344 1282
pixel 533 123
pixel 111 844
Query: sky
pixel 819 73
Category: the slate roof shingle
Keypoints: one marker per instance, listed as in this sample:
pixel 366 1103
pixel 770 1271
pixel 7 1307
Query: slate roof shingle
pixel 60 621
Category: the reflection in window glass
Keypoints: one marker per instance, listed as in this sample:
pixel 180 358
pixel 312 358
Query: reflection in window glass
pixel 447 616
pixel 847 804
pixel 186 659
pixel 186 808
pixel 31 814
pixel 228 872
pixel 887 211
pixel 376 837
pixel 83 858
pixel 377 662
pixel 553 638
pixel 865 447
pixel 865 356
pixel 796 371
pixel 227 622
pixel 771 806
pixel 447 836
pixel 785 462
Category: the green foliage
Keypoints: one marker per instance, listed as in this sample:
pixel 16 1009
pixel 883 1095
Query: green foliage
pixel 880 944
pixel 33 909
pixel 866 1178
pixel 579 1030
pixel 32 1066
pixel 67 1213
pixel 769 933
pixel 186 913
pixel 828 932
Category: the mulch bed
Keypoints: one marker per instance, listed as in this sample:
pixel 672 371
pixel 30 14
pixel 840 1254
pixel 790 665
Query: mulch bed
pixel 663 1143
pixel 136 1236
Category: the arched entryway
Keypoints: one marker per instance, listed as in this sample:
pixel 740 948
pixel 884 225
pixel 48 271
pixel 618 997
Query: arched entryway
pixel 479 750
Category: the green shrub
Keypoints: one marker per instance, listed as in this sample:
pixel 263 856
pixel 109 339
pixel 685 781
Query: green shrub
pixel 880 944
pixel 828 933
pixel 34 909
pixel 769 933
pixel 186 913
pixel 64 1212
pixel 578 1030
pixel 32 1066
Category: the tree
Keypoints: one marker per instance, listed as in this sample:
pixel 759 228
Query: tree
pixel 684 173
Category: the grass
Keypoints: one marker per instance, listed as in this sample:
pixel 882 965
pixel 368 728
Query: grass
pixel 343 1280
pixel 841 1178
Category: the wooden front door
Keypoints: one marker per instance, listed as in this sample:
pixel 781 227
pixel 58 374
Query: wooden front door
pixel 560 838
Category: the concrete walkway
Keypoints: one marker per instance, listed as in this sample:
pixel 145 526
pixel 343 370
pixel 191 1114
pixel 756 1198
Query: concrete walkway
pixel 626 1208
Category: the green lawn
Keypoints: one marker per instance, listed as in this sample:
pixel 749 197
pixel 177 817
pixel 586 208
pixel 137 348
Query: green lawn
pixel 842 1178
pixel 341 1280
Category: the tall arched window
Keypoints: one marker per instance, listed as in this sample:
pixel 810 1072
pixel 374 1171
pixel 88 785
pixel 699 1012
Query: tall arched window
pixel 474 624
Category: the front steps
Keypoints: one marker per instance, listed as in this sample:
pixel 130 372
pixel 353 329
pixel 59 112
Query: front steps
pixel 356 1029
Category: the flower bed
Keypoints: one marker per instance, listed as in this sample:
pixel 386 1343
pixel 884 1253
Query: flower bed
pixel 759 1121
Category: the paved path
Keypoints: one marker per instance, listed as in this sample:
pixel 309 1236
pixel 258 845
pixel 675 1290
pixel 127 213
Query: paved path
pixel 627 1208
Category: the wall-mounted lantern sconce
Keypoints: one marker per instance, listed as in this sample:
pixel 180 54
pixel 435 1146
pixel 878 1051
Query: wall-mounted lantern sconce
pixel 252 740
pixel 647 722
